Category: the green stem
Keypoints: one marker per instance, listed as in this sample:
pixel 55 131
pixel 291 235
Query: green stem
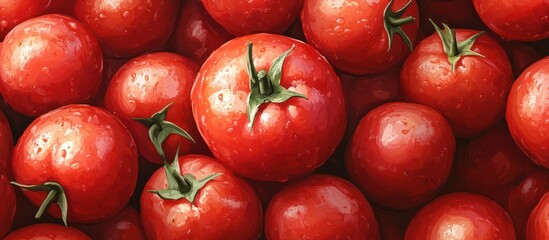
pixel 400 21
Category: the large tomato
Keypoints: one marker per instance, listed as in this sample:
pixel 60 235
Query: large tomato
pixel 269 126
pixel 6 144
pixel 83 156
pixel 13 12
pixel 127 28
pixel 125 226
pixel 320 207
pixel 527 114
pixel 360 36
pixel 401 154
pixel 538 223
pixel 7 204
pixel 47 232
pixel 48 62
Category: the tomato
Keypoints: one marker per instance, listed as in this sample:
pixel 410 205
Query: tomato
pixel 456 13
pixel 538 223
pixel 245 17
pixel 471 90
pixel 528 121
pixel 401 154
pixel 83 156
pixel 48 62
pixel 515 20
pixel 461 216
pixel 354 36
pixel 13 12
pixel 47 232
pixel 125 226
pixel 147 84
pixel 65 7
pixel 111 67
pixel 196 34
pixel 6 144
pixel 128 28
pixel 521 56
pixel 274 135
pixel 226 207
pixel 7 204
pixel 320 207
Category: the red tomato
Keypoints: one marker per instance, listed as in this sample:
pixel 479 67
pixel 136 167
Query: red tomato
pixel 48 62
pixel 289 139
pixel 354 36
pixel 128 28
pixel 225 208
pixel 110 68
pixel 245 17
pixel 266 190
pixel 515 20
pixel 65 7
pixel 521 56
pixel 125 226
pixel 538 223
pixel 320 207
pixel 7 204
pixel 47 232
pixel 456 13
pixel 401 154
pixel 461 216
pixel 6 144
pixel 470 92
pixel 196 34
pixel 88 152
pixel 528 121
pixel 13 12
pixel 147 84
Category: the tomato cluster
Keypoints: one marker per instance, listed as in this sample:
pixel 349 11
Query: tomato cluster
pixel 280 119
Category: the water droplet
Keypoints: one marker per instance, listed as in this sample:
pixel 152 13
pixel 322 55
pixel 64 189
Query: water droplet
pixel 337 29
pixel 4 23
pixel 63 153
pixel 405 131
pixel 72 25
pixel 46 70
pixel 230 130
pixel 126 14
pixel 340 20
pixel 220 97
pixel 102 15
pixel 75 166
pixel 146 77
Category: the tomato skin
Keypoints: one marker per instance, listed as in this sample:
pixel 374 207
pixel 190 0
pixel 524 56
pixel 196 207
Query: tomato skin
pixel 353 37
pixel 526 117
pixel 225 208
pixel 312 127
pixel 7 204
pixel 538 223
pixel 62 64
pixel 85 149
pixel 260 16
pixel 111 66
pixel 65 7
pixel 46 231
pixel 473 97
pixel 521 56
pixel 125 226
pixel 6 144
pixel 401 154
pixel 147 84
pixel 515 20
pixel 13 12
pixel 461 216
pixel 129 27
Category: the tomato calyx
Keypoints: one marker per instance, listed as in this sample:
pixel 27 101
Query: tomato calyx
pixel 454 49
pixel 265 86
pixel 393 22
pixel 55 193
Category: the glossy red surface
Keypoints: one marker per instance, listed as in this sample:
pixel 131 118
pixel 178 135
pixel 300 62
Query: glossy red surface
pixel 6 144
pixel 538 223
pixel 48 62
pixel 85 149
pixel 125 226
pixel 225 208
pixel 288 139
pixel 7 204
pixel 111 66
pixel 47 232
pixel 13 12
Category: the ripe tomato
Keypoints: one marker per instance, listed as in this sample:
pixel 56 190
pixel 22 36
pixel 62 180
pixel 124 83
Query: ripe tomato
pixel 292 135
pixel 354 36
pixel 48 62
pixel 461 216
pixel 6 144
pixel 320 207
pixel 471 90
pixel 13 12
pixel 125 226
pixel 196 34
pixel 226 207
pixel 246 17
pixel 401 154
pixel 47 231
pixel 515 20
pixel 456 13
pixel 82 152
pixel 111 67
pixel 528 121
pixel 147 84
pixel 128 28
pixel 521 56
pixel 7 204
pixel 538 223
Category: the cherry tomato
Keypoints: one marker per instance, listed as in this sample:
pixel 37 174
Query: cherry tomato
pixel 528 121
pixel 128 28
pixel 48 62
pixel 538 223
pixel 47 232
pixel 13 12
pixel 87 152
pixel 225 208
pixel 284 140
pixel 7 204
pixel 360 37
pixel 196 34
pixel 456 13
pixel 6 144
pixel 246 17
pixel 125 226
pixel 401 154
pixel 461 216
pixel 320 207
pixel 515 20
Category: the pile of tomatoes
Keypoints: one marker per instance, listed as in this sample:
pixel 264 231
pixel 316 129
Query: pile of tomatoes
pixel 279 119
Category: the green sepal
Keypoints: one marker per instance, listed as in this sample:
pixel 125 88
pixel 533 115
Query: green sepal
pixel 55 193
pixel 456 50
pixel 392 22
